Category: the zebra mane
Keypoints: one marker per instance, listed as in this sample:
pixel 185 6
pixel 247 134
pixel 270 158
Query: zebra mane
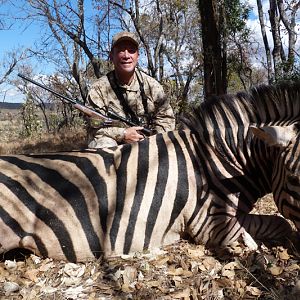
pixel 264 104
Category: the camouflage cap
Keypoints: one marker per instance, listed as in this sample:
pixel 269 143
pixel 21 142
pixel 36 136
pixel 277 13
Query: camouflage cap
pixel 124 36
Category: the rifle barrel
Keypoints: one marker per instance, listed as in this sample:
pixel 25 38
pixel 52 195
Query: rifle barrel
pixel 47 89
pixel 108 119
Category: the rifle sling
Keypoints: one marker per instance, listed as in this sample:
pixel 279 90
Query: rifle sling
pixel 127 109
pixel 143 94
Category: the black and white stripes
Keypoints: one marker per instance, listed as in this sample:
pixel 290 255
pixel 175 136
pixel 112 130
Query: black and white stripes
pixel 200 181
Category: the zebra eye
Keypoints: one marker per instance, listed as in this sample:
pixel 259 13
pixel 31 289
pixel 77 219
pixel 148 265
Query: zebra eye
pixel 294 180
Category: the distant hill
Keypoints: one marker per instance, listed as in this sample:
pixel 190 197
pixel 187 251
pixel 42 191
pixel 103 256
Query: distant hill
pixel 7 105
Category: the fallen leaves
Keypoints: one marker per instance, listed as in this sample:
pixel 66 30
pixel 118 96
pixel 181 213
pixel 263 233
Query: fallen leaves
pixel 228 270
pixel 283 254
pixel 276 270
pixel 10 287
pixel 180 271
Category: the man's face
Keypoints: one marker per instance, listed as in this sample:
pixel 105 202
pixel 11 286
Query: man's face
pixel 124 56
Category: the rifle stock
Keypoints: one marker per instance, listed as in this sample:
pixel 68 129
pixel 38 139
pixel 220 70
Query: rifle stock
pixel 112 120
pixel 105 121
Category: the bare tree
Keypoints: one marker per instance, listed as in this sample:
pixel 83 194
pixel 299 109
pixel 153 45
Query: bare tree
pixel 4 23
pixel 282 17
pixel 289 22
pixel 10 59
pixel 8 65
pixel 10 62
pixel 66 24
pixel 183 47
pixel 72 39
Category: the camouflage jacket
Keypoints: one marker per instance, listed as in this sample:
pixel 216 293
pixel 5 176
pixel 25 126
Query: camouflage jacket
pixel 102 97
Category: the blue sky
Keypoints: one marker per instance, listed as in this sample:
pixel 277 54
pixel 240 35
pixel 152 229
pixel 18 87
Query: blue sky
pixel 13 39
pixel 19 34
pixel 21 37
pixel 16 38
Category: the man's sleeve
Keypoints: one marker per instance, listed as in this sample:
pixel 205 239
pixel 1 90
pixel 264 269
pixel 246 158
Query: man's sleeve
pixel 164 119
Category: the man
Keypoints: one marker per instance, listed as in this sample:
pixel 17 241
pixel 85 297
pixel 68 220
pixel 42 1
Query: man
pixel 129 93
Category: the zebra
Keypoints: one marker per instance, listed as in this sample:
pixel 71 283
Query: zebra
pixel 201 181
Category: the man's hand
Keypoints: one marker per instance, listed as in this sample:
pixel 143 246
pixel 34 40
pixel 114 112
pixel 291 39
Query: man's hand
pixel 133 134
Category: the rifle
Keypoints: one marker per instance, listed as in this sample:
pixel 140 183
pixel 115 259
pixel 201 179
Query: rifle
pixel 112 119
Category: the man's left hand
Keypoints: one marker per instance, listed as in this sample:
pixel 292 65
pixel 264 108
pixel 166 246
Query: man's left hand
pixel 133 134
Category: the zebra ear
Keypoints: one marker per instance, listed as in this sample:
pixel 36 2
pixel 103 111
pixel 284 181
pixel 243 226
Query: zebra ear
pixel 278 136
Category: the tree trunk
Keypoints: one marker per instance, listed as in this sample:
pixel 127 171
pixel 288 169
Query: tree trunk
pixel 290 24
pixel 274 20
pixel 214 65
pixel 266 43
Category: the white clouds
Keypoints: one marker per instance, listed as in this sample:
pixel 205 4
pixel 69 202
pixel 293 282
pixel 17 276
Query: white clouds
pixel 253 4
pixel 254 25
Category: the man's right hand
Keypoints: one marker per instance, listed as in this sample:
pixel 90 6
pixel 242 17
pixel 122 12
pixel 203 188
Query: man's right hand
pixel 133 134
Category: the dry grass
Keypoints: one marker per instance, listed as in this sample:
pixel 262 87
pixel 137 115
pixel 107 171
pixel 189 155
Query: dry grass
pixel 12 141
pixel 63 141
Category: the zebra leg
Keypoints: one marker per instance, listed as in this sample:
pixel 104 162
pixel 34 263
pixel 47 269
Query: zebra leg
pixel 225 230
pixel 266 227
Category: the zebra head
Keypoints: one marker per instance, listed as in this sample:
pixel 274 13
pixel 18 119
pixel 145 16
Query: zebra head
pixel 286 169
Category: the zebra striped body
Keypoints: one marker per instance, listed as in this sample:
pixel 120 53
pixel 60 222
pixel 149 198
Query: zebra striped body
pixel 79 204
pixel 201 181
